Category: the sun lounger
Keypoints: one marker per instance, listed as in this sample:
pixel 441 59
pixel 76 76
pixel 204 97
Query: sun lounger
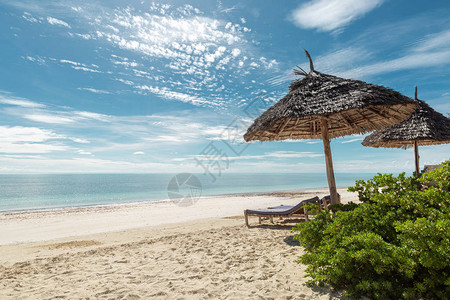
pixel 325 201
pixel 281 211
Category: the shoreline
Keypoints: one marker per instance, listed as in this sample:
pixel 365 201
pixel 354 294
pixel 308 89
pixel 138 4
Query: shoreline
pixel 276 193
pixel 40 225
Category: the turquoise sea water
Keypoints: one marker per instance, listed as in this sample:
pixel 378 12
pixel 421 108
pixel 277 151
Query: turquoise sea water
pixel 28 192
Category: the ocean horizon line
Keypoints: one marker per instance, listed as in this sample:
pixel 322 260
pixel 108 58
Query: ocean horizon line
pixel 166 200
pixel 41 191
pixel 195 173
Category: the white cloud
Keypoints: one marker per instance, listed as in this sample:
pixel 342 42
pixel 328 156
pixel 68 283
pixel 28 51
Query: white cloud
pixel 10 100
pixel 213 56
pixel 96 91
pixel 281 155
pixel 84 36
pixel 27 16
pixel 132 64
pixel 352 140
pixel 139 153
pixel 80 66
pixel 168 94
pixel 434 41
pixel 409 61
pixel 127 82
pixel 66 61
pixel 41 113
pixel 10 164
pixel 352 62
pixel 164 36
pixel 19 139
pixel 30 148
pixel 170 139
pixel 37 59
pixel 50 119
pixel 78 140
pixel 235 52
pixel 266 156
pixel 25 134
pixel 228 9
pixel 54 21
pixel 339 60
pixel 92 115
pixel 330 15
pixel 86 69
pixel 83 152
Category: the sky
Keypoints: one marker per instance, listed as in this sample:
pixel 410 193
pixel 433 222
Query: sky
pixel 150 87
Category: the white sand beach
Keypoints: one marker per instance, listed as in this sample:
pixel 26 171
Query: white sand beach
pixel 156 250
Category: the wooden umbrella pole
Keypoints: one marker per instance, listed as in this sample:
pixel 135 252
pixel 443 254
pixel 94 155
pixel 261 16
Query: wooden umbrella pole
pixel 416 156
pixel 328 161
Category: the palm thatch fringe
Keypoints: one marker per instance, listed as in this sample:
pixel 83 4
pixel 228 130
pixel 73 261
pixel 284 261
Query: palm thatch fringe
pixel 425 126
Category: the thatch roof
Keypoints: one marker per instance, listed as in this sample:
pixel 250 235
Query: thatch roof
pixel 350 106
pixel 426 126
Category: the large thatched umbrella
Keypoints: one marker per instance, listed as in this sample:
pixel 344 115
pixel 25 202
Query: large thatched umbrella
pixel 424 127
pixel 321 106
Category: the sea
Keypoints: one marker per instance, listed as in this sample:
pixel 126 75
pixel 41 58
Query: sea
pixel 45 191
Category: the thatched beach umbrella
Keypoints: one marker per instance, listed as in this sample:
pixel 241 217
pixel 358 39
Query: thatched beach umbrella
pixel 321 106
pixel 424 127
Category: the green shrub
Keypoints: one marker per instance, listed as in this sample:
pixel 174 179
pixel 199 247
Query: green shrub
pixel 395 244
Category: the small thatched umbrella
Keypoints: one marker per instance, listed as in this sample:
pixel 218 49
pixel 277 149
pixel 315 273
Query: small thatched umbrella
pixel 424 127
pixel 321 106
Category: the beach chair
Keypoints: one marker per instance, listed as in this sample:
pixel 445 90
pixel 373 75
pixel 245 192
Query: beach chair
pixel 281 211
pixel 326 201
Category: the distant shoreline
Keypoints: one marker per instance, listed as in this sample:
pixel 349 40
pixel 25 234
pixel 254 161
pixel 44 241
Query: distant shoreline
pixel 275 193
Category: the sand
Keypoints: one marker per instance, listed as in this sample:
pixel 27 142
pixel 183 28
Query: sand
pixel 142 251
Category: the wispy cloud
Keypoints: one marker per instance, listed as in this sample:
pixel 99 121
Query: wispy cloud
pixel 277 155
pixel 54 21
pixel 352 138
pixel 86 69
pixel 436 41
pixel 50 119
pixel 280 155
pixel 28 17
pixel 34 111
pixel 123 133
pixel 5 98
pixel 168 94
pixel 363 61
pixel 409 61
pixel 83 152
pixel 96 91
pixel 80 66
pixel 19 139
pixel 83 115
pixel 331 15
pixel 15 164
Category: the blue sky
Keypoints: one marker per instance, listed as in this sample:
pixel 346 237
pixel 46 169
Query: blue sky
pixel 140 86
